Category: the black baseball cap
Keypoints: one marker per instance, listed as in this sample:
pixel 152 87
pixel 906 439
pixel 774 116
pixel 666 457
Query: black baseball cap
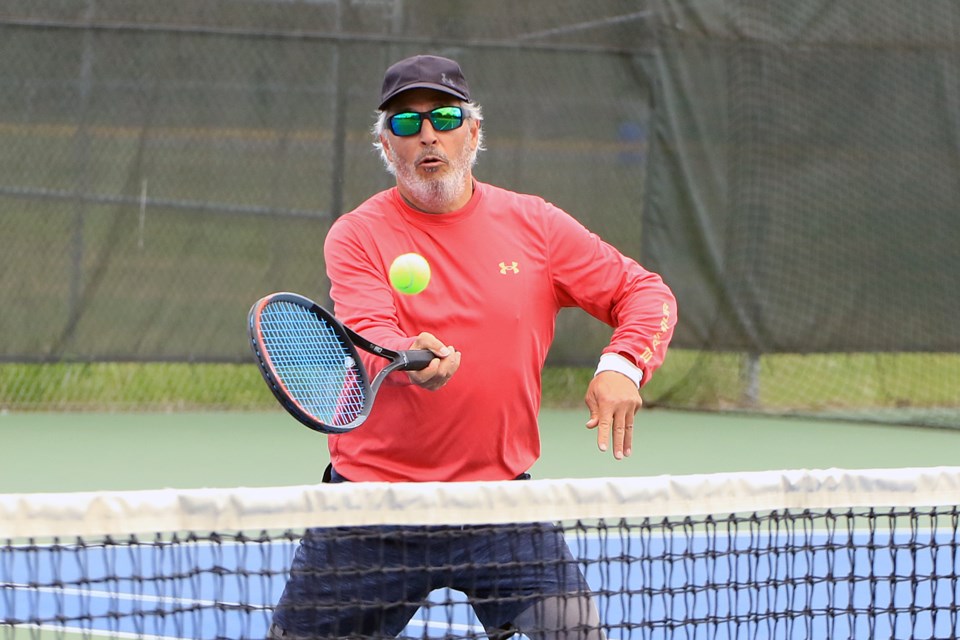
pixel 424 72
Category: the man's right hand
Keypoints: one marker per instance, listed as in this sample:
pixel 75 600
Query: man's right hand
pixel 441 369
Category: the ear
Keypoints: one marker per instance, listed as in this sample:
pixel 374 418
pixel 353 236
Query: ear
pixel 475 132
pixel 385 143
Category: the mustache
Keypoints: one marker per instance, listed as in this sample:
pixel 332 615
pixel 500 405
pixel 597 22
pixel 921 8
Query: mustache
pixel 434 154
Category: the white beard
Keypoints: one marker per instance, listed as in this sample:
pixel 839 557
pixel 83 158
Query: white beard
pixel 435 193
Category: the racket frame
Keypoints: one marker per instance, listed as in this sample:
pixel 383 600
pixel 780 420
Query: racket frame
pixel 409 360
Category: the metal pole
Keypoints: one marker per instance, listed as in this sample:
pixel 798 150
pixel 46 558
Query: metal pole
pixel 82 182
pixel 339 124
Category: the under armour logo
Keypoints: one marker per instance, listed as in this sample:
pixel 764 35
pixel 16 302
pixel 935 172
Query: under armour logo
pixel 504 267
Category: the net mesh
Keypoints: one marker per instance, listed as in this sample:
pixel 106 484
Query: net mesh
pixel 777 554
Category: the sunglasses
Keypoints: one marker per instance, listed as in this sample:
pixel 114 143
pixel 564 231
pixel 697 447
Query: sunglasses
pixel 408 123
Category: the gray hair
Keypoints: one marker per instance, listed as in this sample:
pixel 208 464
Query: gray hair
pixel 471 111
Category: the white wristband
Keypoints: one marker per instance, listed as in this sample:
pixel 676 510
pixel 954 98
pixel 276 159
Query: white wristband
pixel 616 362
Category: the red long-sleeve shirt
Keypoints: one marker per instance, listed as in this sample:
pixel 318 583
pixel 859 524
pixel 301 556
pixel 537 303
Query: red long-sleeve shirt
pixel 502 268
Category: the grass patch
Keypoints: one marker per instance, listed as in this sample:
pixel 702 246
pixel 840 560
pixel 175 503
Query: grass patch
pixel 112 386
pixel 904 388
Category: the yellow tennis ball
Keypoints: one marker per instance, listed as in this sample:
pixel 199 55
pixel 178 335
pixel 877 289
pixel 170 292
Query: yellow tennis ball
pixel 410 273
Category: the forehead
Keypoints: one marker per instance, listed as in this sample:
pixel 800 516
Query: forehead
pixel 421 100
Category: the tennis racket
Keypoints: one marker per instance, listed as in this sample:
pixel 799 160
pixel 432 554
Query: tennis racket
pixel 310 362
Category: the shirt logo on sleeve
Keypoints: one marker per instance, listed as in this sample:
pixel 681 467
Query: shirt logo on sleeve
pixel 658 336
pixel 508 268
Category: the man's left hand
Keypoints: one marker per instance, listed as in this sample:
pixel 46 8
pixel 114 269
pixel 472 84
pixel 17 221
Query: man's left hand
pixel 613 400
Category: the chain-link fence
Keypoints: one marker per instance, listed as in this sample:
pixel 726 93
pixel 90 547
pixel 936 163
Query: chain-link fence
pixel 795 167
pixel 168 163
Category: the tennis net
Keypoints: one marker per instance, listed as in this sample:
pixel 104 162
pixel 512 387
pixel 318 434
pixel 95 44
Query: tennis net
pixel 787 554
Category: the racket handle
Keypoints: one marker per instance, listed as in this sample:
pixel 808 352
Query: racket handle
pixel 416 359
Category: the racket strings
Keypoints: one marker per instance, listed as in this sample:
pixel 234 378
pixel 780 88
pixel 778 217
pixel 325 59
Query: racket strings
pixel 312 363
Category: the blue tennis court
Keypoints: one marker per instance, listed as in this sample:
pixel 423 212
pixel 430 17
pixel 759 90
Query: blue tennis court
pixel 653 582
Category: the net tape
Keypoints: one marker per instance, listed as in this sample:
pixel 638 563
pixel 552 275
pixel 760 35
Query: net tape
pixel 255 508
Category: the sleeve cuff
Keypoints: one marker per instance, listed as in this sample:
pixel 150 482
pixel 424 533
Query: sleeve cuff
pixel 616 362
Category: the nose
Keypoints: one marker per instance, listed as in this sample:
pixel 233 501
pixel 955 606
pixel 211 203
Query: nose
pixel 428 135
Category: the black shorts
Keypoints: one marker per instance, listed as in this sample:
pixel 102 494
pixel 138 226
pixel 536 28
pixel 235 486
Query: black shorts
pixel 371 580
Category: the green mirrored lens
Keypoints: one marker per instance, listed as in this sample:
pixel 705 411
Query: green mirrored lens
pixel 446 118
pixel 405 124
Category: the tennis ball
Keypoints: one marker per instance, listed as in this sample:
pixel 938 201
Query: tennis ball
pixel 410 273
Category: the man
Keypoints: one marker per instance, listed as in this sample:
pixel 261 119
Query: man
pixel 503 265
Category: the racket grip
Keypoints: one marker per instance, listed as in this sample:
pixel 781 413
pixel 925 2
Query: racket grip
pixel 416 359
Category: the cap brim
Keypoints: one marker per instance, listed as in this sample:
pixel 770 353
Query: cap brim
pixel 423 85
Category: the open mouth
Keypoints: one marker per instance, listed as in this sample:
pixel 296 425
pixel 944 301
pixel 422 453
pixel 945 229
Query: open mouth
pixel 430 163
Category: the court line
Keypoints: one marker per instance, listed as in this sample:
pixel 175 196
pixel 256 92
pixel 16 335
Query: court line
pixel 91 632
pixel 131 597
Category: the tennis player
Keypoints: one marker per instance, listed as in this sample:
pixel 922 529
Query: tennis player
pixel 503 265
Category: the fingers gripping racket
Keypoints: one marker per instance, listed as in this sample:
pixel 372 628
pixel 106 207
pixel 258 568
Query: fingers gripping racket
pixel 310 362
